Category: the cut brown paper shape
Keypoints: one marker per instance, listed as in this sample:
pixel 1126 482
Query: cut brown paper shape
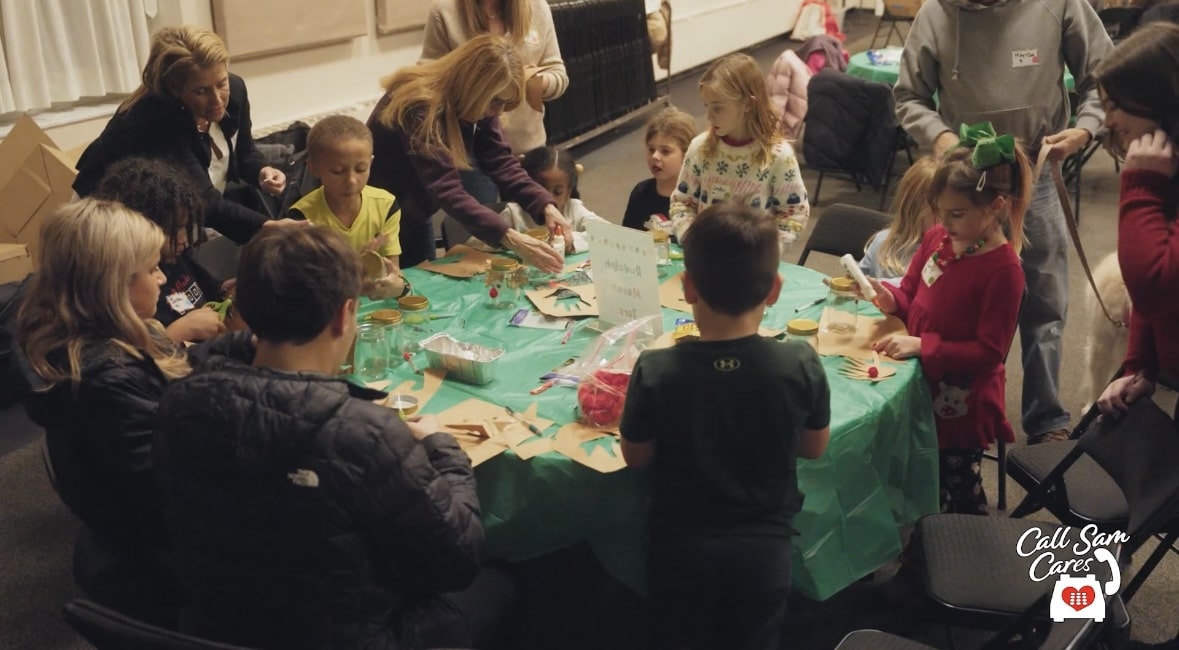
pixel 470 263
pixel 859 343
pixel 671 294
pixel 859 369
pixel 431 381
pixel 533 448
pixel 570 438
pixel 475 414
pixel 567 308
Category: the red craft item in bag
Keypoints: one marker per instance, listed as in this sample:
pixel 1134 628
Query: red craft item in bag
pixel 601 396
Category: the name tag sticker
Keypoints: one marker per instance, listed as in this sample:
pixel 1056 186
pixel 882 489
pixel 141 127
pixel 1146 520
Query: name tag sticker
pixel 1025 58
pixel 931 272
pixel 180 303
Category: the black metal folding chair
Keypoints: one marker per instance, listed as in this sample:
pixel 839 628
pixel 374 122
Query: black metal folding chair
pixel 843 229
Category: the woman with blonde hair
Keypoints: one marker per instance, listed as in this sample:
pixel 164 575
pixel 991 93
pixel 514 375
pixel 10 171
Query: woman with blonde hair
pixel 193 113
pixel 887 253
pixel 528 24
pixel 441 117
pixel 99 363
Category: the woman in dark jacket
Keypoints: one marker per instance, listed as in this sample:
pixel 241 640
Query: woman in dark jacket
pixel 193 112
pixel 100 364
pixel 434 119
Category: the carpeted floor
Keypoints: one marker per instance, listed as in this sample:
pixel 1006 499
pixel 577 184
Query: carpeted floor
pixel 568 602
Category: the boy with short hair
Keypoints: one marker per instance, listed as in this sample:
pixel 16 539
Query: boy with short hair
pixel 722 421
pixel 339 154
pixel 302 514
pixel 668 135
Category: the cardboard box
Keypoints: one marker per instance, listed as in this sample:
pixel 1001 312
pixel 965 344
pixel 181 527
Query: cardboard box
pixel 35 178
pixel 15 263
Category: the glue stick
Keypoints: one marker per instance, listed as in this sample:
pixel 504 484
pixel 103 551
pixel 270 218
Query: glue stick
pixel 853 269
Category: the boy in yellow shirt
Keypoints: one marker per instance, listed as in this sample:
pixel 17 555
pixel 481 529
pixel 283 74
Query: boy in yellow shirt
pixel 339 154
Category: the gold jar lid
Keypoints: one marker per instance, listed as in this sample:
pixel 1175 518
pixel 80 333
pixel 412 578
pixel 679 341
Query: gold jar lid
pixel 802 327
pixel 385 316
pixel 660 236
pixel 404 404
pixel 504 263
pixel 413 303
pixel 538 233
pixel 843 283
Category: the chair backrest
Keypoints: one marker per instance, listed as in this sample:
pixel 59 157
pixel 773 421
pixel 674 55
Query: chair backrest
pixel 1139 451
pixel 107 629
pixel 844 229
pixel 1120 21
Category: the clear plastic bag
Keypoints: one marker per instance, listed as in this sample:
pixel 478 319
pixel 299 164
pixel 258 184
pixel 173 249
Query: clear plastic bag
pixel 604 372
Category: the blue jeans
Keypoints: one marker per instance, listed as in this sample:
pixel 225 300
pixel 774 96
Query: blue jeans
pixel 1041 326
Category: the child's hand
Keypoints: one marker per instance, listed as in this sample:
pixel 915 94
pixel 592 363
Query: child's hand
pixel 557 225
pixel 1153 152
pixel 899 346
pixel 885 301
pixel 390 286
pixel 228 287
pixel 376 243
pixel 197 325
pixel 422 426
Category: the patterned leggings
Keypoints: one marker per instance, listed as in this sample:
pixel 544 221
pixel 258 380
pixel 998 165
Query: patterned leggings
pixel 961 481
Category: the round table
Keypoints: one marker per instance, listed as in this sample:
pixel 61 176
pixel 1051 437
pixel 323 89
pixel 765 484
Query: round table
pixel 861 66
pixel 880 471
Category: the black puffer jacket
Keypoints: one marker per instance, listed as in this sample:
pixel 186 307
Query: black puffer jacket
pixel 851 125
pixel 305 516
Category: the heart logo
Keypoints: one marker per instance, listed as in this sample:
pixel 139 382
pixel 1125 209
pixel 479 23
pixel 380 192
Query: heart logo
pixel 1078 599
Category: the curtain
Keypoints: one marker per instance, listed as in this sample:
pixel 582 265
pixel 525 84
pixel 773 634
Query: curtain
pixel 59 51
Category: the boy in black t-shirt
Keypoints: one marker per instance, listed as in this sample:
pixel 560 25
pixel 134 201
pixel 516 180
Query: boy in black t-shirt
pixel 721 421
pixel 668 135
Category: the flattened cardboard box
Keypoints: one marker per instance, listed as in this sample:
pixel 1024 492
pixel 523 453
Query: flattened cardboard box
pixel 15 263
pixel 35 178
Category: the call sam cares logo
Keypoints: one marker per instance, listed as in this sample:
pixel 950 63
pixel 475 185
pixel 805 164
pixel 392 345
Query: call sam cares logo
pixel 1077 594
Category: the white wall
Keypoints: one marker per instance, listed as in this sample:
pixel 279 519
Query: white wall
pixel 285 87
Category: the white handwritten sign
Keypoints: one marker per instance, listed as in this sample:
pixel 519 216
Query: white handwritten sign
pixel 625 275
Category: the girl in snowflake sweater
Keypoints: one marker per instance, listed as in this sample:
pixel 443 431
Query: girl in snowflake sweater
pixel 742 156
pixel 960 300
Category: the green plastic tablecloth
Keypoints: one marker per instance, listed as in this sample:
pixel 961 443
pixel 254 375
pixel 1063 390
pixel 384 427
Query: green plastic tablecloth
pixel 879 472
pixel 860 66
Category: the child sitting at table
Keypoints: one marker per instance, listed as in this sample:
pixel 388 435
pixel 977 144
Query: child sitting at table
pixel 960 298
pixel 743 156
pixel 722 421
pixel 339 154
pixel 887 253
pixel 668 135
pixel 556 171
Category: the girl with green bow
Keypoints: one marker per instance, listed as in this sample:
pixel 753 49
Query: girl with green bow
pixel 959 300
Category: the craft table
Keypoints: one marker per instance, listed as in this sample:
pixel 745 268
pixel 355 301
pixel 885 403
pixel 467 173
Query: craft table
pixel 880 471
pixel 861 66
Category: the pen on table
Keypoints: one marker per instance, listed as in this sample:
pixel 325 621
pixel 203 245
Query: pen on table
pixel 816 301
pixel 531 426
pixel 568 333
pixel 541 388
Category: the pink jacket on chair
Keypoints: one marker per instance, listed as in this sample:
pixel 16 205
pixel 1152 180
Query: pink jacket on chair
pixel 786 83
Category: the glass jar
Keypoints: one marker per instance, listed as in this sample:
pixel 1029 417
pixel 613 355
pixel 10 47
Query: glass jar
pixel 662 247
pixel 415 314
pixel 370 357
pixel 842 306
pixel 390 321
pixel 504 279
pixel 802 329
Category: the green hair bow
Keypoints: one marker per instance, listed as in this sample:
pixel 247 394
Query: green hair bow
pixel 990 149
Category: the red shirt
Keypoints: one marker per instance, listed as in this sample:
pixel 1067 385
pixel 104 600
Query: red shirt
pixel 965 321
pixel 1148 252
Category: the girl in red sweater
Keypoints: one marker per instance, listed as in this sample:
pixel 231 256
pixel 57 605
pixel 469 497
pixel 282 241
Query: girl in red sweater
pixel 960 300
pixel 1140 88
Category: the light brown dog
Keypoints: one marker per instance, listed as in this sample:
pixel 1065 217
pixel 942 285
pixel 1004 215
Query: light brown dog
pixel 1106 348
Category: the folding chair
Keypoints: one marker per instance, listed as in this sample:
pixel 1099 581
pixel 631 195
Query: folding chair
pixel 107 629
pixel 1114 482
pixel 1000 455
pixel 895 11
pixel 844 229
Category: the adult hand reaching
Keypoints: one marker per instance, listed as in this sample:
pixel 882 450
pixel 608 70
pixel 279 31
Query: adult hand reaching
pixel 1153 152
pixel 272 181
pixel 1122 392
pixel 557 225
pixel 197 325
pixel 944 142
pixel 1067 142
pixel 533 252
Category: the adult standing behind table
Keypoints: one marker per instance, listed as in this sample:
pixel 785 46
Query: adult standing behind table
pixel 1003 62
pixel 191 111
pixel 528 24
pixel 435 120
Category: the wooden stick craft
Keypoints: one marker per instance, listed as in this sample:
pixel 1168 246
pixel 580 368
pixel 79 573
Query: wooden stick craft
pixel 873 370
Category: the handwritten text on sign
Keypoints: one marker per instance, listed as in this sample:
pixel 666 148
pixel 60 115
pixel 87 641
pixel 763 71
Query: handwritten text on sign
pixel 625 275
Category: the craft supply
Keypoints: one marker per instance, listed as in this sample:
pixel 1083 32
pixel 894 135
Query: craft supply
pixel 842 306
pixel 537 320
pixel 441 316
pixel 684 332
pixel 371 352
pixel 405 405
pixel 816 301
pixel 567 334
pixel 853 269
pixel 521 420
pixel 565 293
pixel 504 280
pixel 541 388
pixel 662 247
pixel 409 359
pixel 803 329
pixel 873 371
pixel 373 263
pixel 390 321
pixel 414 309
pixel 558 244
pixel 467 362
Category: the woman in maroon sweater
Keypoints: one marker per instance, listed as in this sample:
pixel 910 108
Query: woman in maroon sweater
pixel 433 120
pixel 1140 87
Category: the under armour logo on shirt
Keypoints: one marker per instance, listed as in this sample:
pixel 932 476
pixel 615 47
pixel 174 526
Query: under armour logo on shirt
pixel 726 364
pixel 304 478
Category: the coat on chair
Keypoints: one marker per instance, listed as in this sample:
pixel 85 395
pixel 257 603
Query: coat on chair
pixel 787 82
pixel 851 126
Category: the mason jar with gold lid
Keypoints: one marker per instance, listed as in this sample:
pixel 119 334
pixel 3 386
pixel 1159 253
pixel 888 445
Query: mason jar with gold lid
pixel 505 278
pixel 390 321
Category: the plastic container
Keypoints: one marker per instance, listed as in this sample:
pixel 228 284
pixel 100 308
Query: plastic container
pixel 469 362
pixel 390 320
pixel 842 306
pixel 505 278
pixel 662 247
pixel 371 354
pixel 558 244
